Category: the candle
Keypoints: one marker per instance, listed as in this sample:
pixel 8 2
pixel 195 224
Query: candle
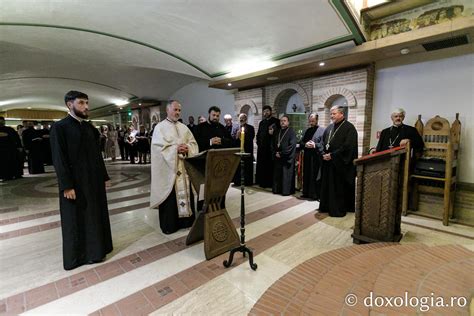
pixel 242 138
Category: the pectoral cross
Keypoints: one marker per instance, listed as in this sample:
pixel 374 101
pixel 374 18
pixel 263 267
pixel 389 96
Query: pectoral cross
pixel 327 146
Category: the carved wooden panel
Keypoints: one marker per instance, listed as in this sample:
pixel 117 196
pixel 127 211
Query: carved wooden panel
pixel 212 172
pixel 378 213
pixel 220 235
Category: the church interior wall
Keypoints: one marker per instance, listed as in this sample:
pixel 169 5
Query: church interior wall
pixel 440 87
pixel 197 97
pixel 355 85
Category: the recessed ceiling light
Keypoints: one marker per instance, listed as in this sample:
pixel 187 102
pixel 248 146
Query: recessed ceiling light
pixel 139 104
pixel 29 108
pixel 229 84
pixel 121 102
pixel 322 64
pixel 404 51
pixel 272 78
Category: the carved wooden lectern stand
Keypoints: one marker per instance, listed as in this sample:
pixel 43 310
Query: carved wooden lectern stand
pixel 382 193
pixel 211 173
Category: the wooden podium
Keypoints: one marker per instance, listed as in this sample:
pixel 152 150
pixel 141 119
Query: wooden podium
pixel 211 173
pixel 382 193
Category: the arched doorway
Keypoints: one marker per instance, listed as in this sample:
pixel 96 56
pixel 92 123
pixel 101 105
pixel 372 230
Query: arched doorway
pixel 246 109
pixel 339 100
pixel 291 103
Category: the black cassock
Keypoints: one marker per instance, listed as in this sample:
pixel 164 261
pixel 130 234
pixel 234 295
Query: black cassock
pixel 170 221
pixel 264 173
pixel 391 137
pixel 284 142
pixel 312 164
pixel 79 165
pixel 46 147
pixel 33 142
pixel 8 153
pixel 338 174
pixel 205 131
pixel 248 161
pixel 192 128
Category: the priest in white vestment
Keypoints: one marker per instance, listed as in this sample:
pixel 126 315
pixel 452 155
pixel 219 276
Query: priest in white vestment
pixel 170 185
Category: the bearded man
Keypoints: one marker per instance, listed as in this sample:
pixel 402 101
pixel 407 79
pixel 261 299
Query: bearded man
pixel 171 190
pixel 82 181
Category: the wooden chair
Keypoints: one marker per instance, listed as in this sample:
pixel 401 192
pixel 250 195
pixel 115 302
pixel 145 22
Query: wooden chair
pixel 441 142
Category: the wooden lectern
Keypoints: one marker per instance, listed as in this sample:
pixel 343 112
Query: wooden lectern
pixel 382 193
pixel 211 173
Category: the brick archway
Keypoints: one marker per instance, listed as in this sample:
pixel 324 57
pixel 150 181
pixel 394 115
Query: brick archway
pixel 250 110
pixel 239 105
pixel 282 94
pixel 330 95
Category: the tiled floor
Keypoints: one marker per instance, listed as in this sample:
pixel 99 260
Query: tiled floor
pixel 306 262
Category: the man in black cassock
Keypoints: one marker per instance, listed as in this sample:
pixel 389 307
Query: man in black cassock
pixel 192 127
pixel 82 181
pixel 10 145
pixel 33 142
pixel 283 152
pixel 45 145
pixel 338 170
pixel 312 144
pixel 20 152
pixel 212 134
pixel 264 173
pixel 249 135
pixel 399 134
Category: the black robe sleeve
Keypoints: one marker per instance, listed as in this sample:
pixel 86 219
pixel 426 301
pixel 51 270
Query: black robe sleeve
pixel 347 150
pixel 16 139
pixel 226 138
pixel 289 147
pixel 99 154
pixel 308 134
pixel 249 136
pixel 259 133
pixel 61 160
pixel 290 152
pixel 416 141
pixel 27 138
pixel 383 140
pixel 202 136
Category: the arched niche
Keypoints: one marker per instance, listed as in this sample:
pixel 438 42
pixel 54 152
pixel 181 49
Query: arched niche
pixel 248 107
pixel 336 96
pixel 282 95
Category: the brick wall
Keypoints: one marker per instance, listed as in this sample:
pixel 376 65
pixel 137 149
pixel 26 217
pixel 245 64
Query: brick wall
pixel 357 87
pixel 318 93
